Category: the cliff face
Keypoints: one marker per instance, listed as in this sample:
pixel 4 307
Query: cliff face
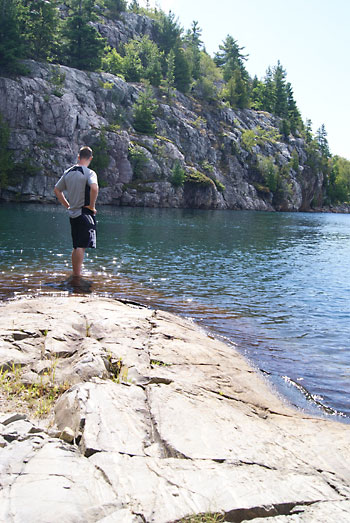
pixel 225 154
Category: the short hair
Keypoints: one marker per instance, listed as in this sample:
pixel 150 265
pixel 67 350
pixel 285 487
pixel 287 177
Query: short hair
pixel 85 152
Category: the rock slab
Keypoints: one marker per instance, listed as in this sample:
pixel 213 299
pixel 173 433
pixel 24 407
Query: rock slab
pixel 160 422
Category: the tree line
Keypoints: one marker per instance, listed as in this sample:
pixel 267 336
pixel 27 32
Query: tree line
pixel 63 33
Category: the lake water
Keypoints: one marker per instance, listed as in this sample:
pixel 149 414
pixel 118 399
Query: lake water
pixel 277 285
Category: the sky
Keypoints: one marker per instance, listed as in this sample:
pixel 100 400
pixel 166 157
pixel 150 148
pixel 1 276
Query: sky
pixel 311 39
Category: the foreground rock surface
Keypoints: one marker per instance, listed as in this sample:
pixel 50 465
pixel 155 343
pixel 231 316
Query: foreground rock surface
pixel 160 421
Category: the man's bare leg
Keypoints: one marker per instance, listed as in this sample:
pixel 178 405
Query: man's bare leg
pixel 77 260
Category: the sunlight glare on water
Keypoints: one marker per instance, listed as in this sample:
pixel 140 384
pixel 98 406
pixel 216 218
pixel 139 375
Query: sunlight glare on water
pixel 276 284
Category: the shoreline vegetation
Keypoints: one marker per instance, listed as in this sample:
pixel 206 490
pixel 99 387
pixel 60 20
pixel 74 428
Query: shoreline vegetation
pixel 155 421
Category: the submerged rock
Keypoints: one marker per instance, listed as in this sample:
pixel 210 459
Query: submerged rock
pixel 170 423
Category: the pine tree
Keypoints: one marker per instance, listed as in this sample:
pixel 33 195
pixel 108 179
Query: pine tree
pixel 169 81
pixel 308 130
pixel 206 87
pixel 132 66
pixel 150 57
pixel 83 46
pixel 182 70
pixel 279 78
pixel 144 109
pixel 257 94
pixel 134 6
pixel 168 32
pixel 39 23
pixel 294 115
pixel 194 45
pixel 115 7
pixel 113 62
pixel 230 58
pixel 269 92
pixel 11 44
pixel 236 92
pixel 321 138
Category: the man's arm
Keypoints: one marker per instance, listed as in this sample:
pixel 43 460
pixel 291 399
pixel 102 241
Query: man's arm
pixel 61 198
pixel 93 197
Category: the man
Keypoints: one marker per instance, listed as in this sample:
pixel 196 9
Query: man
pixel 81 186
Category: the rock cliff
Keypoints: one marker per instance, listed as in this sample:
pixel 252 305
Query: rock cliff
pixel 158 422
pixel 54 109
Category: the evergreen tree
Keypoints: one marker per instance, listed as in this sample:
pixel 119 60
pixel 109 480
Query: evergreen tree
pixel 169 81
pixel 236 91
pixel 11 47
pixel 338 189
pixel 150 57
pixel 269 92
pixel 144 109
pixel 257 94
pixel 206 87
pixel 115 7
pixel 308 130
pixel 132 65
pixel 230 58
pixel 294 115
pixel 134 6
pixel 194 46
pixel 142 60
pixel 279 78
pixel 39 22
pixel 83 46
pixel 168 32
pixel 113 62
pixel 321 138
pixel 182 70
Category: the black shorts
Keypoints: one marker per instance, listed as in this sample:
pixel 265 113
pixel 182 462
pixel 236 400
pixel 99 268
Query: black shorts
pixel 83 230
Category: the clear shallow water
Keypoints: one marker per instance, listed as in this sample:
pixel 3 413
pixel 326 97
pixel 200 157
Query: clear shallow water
pixel 278 285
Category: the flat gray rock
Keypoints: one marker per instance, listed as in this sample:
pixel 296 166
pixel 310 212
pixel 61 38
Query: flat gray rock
pixel 162 422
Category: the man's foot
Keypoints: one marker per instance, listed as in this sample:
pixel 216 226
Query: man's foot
pixel 78 284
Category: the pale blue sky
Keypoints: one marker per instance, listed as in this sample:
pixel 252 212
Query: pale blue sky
pixel 311 38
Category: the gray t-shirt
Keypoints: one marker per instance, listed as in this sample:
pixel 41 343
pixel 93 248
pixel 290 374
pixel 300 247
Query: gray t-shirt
pixel 76 183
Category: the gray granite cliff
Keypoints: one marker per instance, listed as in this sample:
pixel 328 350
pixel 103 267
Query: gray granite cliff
pixel 54 109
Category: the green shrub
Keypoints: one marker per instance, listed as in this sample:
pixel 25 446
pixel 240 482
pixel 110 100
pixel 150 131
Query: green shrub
pixel 269 171
pixel 294 162
pixel 179 175
pixel 197 178
pixel 57 80
pixel 144 110
pixel 138 160
pixel 220 186
pixel 139 187
pixel 259 136
pixel 261 188
pixel 208 166
pixel 113 62
pixel 22 170
pixel 100 160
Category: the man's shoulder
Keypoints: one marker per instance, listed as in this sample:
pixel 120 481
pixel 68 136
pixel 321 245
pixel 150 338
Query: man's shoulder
pixel 92 176
pixel 73 168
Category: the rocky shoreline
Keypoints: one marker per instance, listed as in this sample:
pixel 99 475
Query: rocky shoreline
pixel 146 418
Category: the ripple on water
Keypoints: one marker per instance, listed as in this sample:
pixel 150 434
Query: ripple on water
pixel 276 284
